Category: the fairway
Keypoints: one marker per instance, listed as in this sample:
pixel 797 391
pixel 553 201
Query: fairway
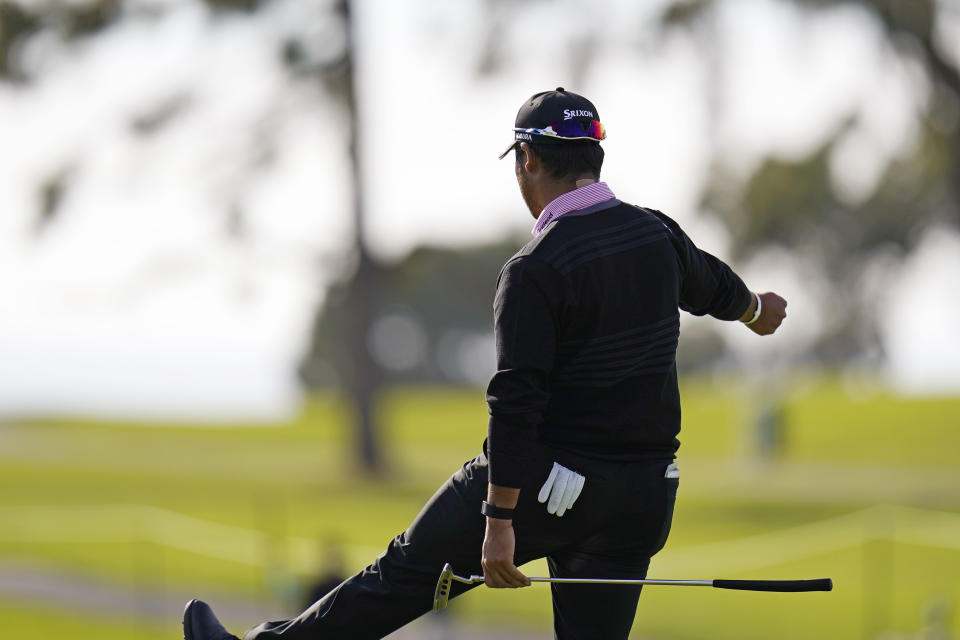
pixel 866 491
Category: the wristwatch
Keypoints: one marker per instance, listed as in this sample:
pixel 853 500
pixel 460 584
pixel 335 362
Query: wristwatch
pixel 493 511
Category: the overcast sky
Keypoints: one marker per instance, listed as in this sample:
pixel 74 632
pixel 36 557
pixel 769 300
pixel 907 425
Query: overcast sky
pixel 135 300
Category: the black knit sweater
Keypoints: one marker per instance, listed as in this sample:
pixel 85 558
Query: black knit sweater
pixel 586 323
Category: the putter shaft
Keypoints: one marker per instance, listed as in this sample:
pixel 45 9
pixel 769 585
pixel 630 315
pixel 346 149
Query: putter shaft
pixel 448 577
pixel 688 583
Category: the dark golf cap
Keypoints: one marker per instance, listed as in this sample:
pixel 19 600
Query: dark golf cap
pixel 556 117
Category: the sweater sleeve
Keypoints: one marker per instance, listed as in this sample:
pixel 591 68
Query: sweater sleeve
pixel 708 285
pixel 525 331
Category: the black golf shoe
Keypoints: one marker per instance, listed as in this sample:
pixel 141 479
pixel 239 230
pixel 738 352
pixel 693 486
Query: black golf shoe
pixel 199 623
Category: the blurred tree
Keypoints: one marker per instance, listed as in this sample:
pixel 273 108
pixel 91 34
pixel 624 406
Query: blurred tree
pixel 19 21
pixel 71 21
pixel 443 291
pixel 16 23
pixel 359 373
pixel 332 66
pixel 581 38
pixel 794 204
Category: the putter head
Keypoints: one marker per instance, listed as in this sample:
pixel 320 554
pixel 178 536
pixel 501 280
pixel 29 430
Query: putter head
pixel 442 594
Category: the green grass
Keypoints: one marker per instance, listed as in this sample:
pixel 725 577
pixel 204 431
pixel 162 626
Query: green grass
pixel 212 509
pixel 31 621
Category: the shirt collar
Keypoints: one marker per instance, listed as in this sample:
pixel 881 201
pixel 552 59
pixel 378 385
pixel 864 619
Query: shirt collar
pixel 586 196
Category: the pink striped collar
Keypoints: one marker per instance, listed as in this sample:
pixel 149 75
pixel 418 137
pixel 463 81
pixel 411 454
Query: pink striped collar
pixel 587 196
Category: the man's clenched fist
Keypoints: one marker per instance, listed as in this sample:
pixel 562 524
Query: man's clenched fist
pixel 773 309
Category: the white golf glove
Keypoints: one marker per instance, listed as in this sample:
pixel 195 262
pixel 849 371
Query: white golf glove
pixel 562 488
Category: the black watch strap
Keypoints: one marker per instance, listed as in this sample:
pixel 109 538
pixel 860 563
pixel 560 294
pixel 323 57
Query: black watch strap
pixel 493 511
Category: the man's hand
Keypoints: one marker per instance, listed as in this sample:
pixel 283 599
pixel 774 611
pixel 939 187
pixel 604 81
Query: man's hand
pixel 499 571
pixel 562 487
pixel 773 309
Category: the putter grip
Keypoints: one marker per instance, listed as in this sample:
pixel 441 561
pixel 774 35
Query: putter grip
pixel 821 584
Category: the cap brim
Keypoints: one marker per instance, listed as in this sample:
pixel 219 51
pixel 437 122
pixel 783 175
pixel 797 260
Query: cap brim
pixel 508 150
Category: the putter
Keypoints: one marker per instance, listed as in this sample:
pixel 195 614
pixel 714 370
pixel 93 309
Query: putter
pixel 447 577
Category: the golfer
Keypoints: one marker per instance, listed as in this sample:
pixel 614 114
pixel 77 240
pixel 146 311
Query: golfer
pixel 578 466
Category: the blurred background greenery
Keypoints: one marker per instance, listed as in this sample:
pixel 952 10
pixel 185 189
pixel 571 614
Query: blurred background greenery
pixel 246 276
pixel 111 527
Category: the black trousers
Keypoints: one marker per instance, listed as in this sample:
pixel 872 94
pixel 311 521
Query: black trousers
pixel 621 519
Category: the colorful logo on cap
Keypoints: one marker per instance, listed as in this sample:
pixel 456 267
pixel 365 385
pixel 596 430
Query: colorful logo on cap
pixel 571 129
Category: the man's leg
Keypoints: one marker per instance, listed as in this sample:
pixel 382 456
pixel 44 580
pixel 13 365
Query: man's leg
pixel 621 549
pixel 593 610
pixel 399 586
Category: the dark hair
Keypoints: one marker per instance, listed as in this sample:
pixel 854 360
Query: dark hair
pixel 568 159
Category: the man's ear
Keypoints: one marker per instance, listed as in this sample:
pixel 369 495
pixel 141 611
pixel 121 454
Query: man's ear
pixel 531 162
